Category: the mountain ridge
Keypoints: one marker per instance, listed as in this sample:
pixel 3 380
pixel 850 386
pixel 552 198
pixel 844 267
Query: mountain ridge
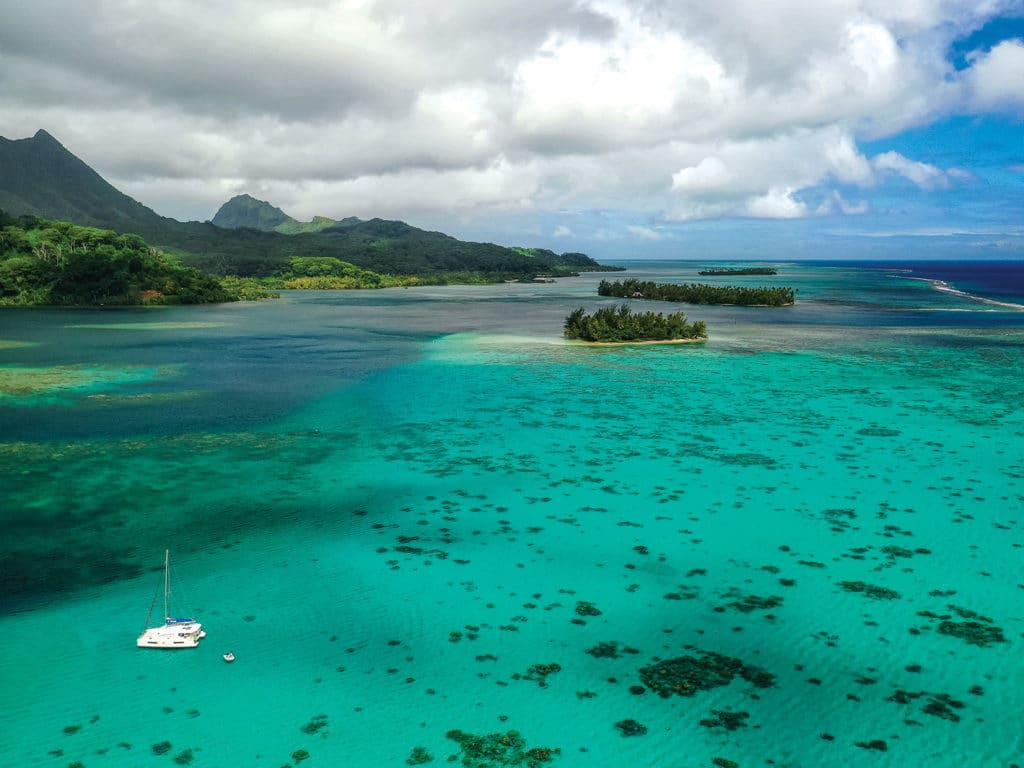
pixel 41 177
pixel 247 212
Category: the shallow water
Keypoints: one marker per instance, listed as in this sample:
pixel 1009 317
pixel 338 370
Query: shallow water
pixel 392 505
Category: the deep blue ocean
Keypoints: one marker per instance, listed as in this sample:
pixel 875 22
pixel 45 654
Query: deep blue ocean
pixel 1001 280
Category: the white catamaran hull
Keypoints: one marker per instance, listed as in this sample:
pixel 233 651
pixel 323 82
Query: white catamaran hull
pixel 172 636
pixel 174 633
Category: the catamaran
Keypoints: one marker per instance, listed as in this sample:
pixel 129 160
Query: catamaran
pixel 174 632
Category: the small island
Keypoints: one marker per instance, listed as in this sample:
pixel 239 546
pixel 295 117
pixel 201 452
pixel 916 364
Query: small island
pixel 698 293
pixel 729 271
pixel 620 325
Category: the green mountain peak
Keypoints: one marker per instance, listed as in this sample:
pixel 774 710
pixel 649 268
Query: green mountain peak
pixel 246 212
pixel 42 135
pixel 39 176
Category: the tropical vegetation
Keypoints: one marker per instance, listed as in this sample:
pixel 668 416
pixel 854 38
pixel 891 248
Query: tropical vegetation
pixel 59 263
pixel 621 324
pixel 328 273
pixel 697 293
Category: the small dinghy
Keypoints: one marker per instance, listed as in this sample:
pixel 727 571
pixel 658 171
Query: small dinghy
pixel 229 657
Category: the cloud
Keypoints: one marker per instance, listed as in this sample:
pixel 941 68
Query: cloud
pixel 777 203
pixel 996 78
pixel 761 177
pixel 643 233
pixel 656 109
pixel 947 231
pixel 961 175
pixel 922 174
pixel 709 174
pixel 644 80
pixel 835 204
pixel 562 231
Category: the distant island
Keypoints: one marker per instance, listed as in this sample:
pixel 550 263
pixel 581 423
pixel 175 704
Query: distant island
pixel 698 293
pixel 740 271
pixel 621 325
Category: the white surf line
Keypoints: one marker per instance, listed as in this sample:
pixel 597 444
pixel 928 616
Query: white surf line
pixel 944 287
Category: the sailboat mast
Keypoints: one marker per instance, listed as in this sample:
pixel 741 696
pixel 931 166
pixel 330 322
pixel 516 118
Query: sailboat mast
pixel 167 579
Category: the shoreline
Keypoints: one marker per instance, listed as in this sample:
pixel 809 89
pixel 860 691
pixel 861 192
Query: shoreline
pixel 645 342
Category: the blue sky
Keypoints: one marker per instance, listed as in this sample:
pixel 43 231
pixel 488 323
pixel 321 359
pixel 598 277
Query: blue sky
pixel 656 129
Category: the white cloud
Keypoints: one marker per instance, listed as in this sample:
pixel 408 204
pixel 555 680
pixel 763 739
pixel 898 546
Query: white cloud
pixel 996 78
pixel 845 162
pixel 922 174
pixel 562 231
pixel 777 203
pixel 760 177
pixel 940 231
pixel 836 204
pixel 605 93
pixel 709 174
pixel 643 233
pixel 961 175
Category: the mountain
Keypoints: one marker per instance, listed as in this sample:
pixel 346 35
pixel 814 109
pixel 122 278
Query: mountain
pixel 318 224
pixel 39 177
pixel 246 212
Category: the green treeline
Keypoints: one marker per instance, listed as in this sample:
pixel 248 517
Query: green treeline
pixel 698 293
pixel 326 273
pixel 740 271
pixel 621 324
pixel 46 262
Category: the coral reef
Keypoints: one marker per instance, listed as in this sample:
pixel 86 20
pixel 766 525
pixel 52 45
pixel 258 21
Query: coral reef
pixel 418 756
pixel 496 750
pixel 631 728
pixel 870 590
pixel 686 675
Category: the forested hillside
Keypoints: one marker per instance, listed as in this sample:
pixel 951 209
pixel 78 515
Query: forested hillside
pixel 59 263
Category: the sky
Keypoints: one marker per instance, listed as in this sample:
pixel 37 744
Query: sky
pixel 739 129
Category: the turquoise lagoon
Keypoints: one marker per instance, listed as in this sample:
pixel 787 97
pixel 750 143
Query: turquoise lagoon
pixel 413 511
